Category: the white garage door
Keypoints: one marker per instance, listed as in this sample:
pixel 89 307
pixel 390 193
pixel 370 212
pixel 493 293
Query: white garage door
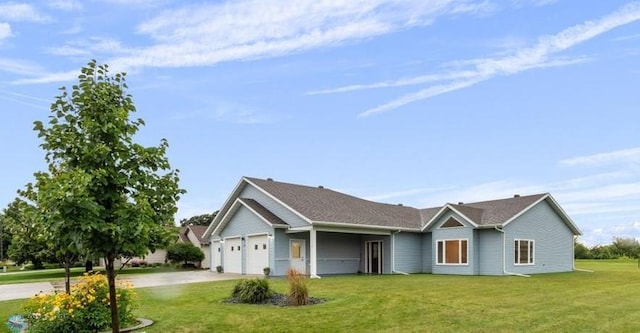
pixel 233 255
pixel 216 252
pixel 257 254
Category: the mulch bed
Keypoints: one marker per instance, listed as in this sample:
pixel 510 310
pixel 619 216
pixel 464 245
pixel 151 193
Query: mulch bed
pixel 277 300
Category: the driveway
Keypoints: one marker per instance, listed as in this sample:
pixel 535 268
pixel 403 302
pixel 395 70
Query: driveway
pixel 27 290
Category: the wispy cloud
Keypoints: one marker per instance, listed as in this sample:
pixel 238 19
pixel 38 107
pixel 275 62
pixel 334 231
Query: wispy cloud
pixel 207 34
pixel 19 12
pixel 68 5
pixel 631 155
pixel 225 111
pixel 537 56
pixel 19 67
pixel 5 30
pixel 89 47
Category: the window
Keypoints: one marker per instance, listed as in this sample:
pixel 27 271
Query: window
pixel 523 252
pixel 255 247
pixel 452 252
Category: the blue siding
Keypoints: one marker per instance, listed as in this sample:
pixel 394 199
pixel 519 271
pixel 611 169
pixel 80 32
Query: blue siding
pixel 466 232
pixel 245 222
pixel 489 243
pixel 552 238
pixel 407 252
pixel 280 253
pixel 338 253
pixel 427 253
pixel 276 208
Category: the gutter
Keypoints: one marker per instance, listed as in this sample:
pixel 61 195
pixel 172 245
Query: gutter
pixel 393 257
pixel 504 255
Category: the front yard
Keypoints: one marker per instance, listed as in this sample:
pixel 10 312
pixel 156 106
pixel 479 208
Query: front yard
pixel 603 301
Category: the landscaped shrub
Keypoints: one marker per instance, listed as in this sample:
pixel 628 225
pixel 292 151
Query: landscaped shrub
pixel 298 288
pixel 252 291
pixel 86 309
pixel 185 253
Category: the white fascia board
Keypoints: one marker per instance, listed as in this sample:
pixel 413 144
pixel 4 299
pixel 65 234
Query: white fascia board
pixel 568 220
pixel 463 216
pixel 225 207
pixel 223 222
pixel 279 201
pixel 298 229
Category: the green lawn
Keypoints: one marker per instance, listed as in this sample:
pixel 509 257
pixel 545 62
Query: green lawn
pixel 58 274
pixel 604 301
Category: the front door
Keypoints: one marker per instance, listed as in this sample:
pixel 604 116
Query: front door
pixel 373 257
pixel 298 255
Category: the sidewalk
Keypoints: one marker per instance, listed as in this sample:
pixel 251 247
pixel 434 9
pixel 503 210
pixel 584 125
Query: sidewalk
pixel 27 290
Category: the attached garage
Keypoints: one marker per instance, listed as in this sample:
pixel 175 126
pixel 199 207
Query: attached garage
pixel 233 255
pixel 257 254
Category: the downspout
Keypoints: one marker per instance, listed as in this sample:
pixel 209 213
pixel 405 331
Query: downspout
pixel 574 258
pixel 393 256
pixel 504 255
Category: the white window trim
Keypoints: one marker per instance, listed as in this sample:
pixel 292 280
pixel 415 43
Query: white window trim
pixel 444 255
pixel 532 254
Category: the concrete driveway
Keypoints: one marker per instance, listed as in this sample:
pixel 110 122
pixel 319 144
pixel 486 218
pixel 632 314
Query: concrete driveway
pixel 27 290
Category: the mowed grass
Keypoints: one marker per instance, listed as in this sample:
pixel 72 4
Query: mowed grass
pixel 58 274
pixel 607 300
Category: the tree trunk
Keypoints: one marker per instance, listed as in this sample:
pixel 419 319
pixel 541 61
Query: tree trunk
pixel 111 277
pixel 67 274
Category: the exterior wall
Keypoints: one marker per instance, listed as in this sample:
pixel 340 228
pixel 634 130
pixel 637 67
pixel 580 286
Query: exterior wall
pixel 206 262
pixel 489 243
pixel 407 252
pixel 427 253
pixel 281 250
pixel 338 253
pixel 245 222
pixel 279 210
pixel 466 232
pixel 553 241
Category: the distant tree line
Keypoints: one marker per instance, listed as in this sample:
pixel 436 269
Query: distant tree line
pixel 620 248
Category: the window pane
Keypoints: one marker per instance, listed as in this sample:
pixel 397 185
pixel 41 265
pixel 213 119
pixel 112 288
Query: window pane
pixel 531 252
pixel 440 252
pixel 524 252
pixel 515 254
pixel 295 250
pixel 452 252
pixel 463 251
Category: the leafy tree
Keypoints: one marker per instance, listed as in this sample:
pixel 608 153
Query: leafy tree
pixel 28 242
pixel 184 253
pixel 628 247
pixel 204 219
pixel 5 238
pixel 126 193
pixel 581 251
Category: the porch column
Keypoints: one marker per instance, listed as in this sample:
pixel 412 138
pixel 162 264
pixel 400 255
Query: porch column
pixel 313 260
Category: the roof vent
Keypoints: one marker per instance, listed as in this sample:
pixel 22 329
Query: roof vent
pixel 516 195
pixel 270 179
pixel 320 186
pixel 460 203
pixel 401 205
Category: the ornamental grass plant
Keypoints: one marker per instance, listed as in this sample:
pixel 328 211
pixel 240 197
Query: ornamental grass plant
pixel 298 288
pixel 84 310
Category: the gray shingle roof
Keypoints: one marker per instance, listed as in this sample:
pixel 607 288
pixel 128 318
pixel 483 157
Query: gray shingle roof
pixel 262 211
pixel 319 204
pixel 326 205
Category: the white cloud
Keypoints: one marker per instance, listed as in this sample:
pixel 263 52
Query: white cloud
pixel 19 67
pixel 5 30
pixel 225 111
pixel 537 56
pixel 631 155
pixel 207 34
pixel 50 78
pixel 18 12
pixel 89 47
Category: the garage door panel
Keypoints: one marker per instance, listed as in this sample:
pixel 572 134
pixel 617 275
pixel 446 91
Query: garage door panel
pixel 257 254
pixel 233 255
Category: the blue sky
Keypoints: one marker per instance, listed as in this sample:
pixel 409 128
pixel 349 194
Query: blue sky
pixel 416 102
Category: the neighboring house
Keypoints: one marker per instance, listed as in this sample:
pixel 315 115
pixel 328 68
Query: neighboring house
pixel 319 231
pixel 193 234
